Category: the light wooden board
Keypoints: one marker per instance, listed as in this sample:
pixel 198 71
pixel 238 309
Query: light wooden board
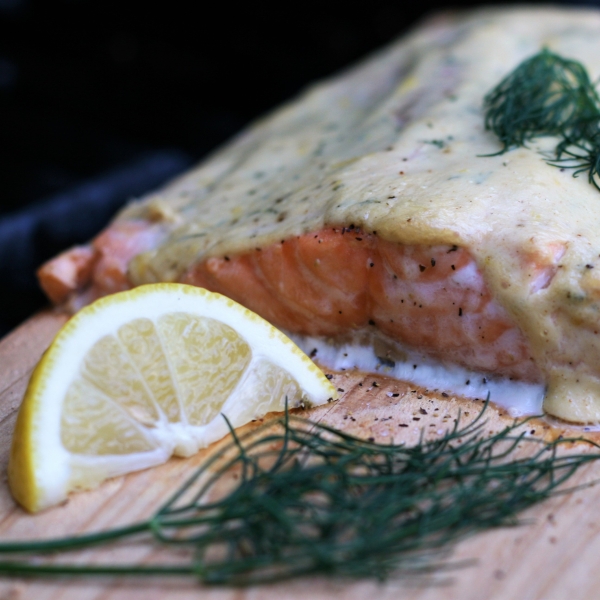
pixel 555 558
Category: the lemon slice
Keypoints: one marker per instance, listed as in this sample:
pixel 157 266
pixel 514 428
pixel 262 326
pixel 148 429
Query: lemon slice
pixel 141 375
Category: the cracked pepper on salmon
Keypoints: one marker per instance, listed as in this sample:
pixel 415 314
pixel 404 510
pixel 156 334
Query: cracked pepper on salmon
pixel 376 202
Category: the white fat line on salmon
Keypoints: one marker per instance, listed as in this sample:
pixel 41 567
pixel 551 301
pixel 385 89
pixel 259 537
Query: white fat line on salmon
pixel 519 398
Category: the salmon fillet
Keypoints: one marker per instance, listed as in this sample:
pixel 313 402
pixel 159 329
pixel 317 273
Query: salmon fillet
pixel 377 204
pixel 330 283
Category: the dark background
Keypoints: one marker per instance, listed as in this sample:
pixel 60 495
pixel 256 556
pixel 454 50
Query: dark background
pixel 101 101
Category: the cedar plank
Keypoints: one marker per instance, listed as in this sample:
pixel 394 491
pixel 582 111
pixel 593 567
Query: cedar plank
pixel 554 558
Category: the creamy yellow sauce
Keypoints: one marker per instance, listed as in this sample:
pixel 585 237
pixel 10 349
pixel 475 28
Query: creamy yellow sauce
pixel 395 145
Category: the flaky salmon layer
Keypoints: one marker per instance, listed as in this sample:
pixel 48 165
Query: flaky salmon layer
pixel 331 283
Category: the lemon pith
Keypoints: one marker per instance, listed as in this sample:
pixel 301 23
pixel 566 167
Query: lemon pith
pixel 139 376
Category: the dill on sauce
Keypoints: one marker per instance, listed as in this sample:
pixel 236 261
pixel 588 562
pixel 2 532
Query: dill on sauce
pixel 310 499
pixel 548 95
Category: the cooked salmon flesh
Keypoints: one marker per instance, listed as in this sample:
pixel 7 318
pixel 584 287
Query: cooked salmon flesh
pixel 329 283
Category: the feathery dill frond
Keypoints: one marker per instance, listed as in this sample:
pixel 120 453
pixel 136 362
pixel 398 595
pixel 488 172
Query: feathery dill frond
pixel 312 499
pixel 549 95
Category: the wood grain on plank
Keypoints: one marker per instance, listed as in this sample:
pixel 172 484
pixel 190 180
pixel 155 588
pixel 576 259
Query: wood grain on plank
pixel 555 557
pixel 21 349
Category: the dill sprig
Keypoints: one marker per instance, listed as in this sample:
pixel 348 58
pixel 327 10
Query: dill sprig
pixel 549 95
pixel 309 498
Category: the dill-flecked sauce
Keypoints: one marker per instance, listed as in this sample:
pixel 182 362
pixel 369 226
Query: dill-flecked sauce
pixel 396 145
